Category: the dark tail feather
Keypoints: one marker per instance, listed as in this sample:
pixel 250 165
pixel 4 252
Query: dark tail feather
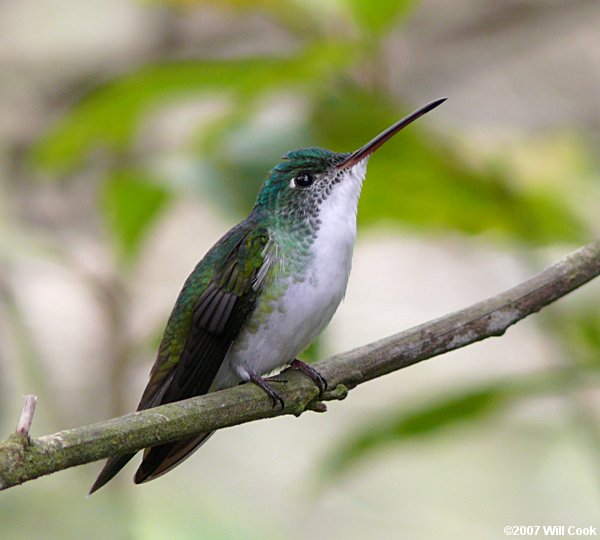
pixel 161 459
pixel 112 466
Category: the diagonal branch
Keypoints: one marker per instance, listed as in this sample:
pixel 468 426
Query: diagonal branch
pixel 22 459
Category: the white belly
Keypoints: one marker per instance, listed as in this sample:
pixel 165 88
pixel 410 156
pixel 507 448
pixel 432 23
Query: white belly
pixel 307 305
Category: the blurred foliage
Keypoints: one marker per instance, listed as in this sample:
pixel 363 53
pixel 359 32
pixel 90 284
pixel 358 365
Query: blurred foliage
pixel 375 19
pixel 426 419
pixel 421 180
pixel 110 116
pixel 131 202
pixel 432 417
pixel 581 330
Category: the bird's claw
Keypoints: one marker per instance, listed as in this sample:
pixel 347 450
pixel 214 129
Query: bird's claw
pixel 275 398
pixel 312 373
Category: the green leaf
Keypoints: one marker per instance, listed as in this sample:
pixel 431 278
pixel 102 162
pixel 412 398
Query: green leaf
pixel 377 17
pixel 416 180
pixel 110 116
pixel 426 420
pixel 131 203
pixel 581 331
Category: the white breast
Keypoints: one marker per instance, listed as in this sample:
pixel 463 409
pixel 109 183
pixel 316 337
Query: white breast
pixel 307 306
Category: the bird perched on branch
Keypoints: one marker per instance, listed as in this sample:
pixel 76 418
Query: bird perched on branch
pixel 263 292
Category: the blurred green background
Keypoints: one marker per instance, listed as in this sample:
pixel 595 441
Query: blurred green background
pixel 133 134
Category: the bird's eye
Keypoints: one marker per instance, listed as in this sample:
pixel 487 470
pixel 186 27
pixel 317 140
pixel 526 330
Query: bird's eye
pixel 303 180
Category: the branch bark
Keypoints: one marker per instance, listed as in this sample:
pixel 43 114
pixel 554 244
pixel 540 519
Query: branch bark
pixel 23 459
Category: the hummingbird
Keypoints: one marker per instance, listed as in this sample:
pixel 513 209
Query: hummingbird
pixel 263 292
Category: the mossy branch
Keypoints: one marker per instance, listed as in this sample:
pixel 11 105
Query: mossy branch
pixel 23 458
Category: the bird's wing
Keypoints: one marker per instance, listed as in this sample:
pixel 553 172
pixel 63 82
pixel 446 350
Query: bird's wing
pixel 208 315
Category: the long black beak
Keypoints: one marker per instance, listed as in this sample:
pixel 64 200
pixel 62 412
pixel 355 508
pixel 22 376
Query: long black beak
pixel 366 150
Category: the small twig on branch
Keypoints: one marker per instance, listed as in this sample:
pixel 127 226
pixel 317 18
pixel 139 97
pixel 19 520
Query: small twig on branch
pixel 27 412
pixel 245 403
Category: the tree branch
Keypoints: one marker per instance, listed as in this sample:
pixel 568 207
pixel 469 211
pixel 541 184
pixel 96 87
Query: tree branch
pixel 26 418
pixel 22 459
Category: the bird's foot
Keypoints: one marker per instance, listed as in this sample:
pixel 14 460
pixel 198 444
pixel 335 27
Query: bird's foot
pixel 277 378
pixel 312 373
pixel 276 399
